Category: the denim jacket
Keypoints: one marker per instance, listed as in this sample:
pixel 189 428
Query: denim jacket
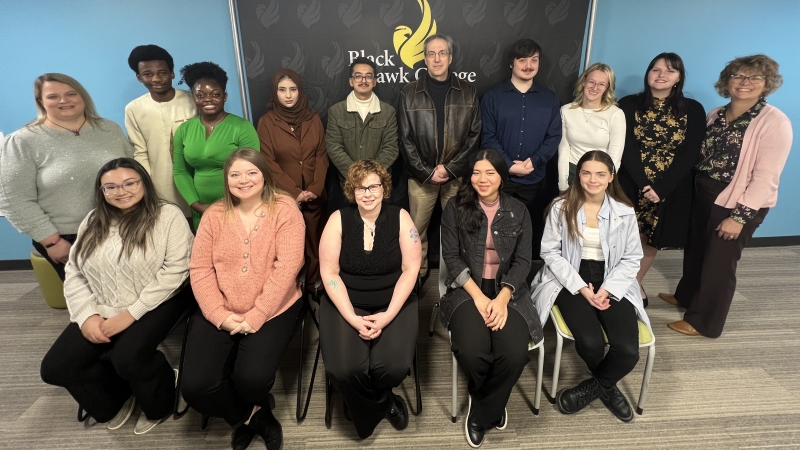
pixel 463 254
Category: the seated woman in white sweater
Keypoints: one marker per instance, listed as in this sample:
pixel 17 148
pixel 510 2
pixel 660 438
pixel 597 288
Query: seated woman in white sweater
pixel 591 122
pixel 126 286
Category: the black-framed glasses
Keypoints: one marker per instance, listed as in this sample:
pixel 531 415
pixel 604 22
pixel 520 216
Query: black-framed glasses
pixel 128 186
pixel 372 188
pixel 442 54
pixel 755 79
pixel 358 77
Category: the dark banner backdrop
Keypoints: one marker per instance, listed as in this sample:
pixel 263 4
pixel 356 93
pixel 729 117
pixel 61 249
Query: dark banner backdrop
pixel 318 39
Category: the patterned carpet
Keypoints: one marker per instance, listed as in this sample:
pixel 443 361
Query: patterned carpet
pixel 736 392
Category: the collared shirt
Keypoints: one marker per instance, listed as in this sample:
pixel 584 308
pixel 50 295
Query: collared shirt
pixel 522 125
pixel 721 149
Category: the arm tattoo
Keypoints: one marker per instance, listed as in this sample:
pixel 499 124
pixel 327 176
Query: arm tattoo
pixel 333 284
pixel 414 235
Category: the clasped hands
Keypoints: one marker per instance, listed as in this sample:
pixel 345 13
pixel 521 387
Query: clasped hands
pixel 370 327
pixel 494 312
pixel 521 168
pixel 440 175
pixel 305 196
pixel 235 323
pixel 599 300
pixel 98 330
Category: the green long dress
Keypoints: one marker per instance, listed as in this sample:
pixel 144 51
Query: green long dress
pixel 197 162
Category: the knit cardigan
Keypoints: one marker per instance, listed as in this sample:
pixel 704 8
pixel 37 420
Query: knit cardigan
pixel 107 285
pixel 253 275
pixel 765 148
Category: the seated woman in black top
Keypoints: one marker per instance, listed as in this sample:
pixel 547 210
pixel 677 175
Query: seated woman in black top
pixel 370 255
pixel 486 244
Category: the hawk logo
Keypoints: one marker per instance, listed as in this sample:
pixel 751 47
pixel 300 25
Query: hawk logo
pixel 410 45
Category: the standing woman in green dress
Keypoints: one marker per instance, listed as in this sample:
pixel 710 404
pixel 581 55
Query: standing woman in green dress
pixel 202 144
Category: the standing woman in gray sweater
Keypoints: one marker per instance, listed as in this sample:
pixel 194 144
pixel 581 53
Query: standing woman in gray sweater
pixel 126 287
pixel 48 167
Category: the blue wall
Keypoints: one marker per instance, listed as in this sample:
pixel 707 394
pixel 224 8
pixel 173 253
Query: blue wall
pixel 707 34
pixel 91 39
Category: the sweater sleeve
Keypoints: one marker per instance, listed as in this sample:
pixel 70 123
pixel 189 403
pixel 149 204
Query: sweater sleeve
pixel 616 143
pixel 170 277
pixel 81 300
pixel 181 170
pixel 289 258
pixel 563 154
pixel 774 144
pixel 18 191
pixel 201 270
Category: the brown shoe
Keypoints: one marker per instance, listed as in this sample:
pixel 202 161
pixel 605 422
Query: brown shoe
pixel 669 298
pixel 683 327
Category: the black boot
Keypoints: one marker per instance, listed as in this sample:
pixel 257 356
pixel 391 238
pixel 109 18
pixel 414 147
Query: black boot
pixel 268 427
pixel 242 437
pixel 570 401
pixel 616 402
pixel 474 432
pixel 398 413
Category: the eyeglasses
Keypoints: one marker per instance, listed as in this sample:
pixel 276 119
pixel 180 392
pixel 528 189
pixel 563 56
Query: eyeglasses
pixel 592 83
pixel 128 186
pixel 373 188
pixel 442 54
pixel 358 77
pixel 755 79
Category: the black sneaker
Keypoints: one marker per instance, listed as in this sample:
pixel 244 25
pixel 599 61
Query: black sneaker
pixel 616 402
pixel 570 401
pixel 398 414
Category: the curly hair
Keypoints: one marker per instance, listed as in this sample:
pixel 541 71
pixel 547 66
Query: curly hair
pixel 192 73
pixel 361 170
pixel 759 64
pixel 149 53
pixel 608 99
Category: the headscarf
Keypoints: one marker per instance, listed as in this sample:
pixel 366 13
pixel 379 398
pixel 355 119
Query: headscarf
pixel 298 113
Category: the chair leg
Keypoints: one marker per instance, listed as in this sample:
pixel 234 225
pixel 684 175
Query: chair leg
pixel 82 415
pixel 204 422
pixel 302 410
pixel 539 370
pixel 453 413
pixel 648 369
pixel 328 401
pixel 416 385
pixel 556 367
pixel 432 323
pixel 175 413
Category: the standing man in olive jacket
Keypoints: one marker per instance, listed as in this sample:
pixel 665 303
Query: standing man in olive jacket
pixel 440 126
pixel 361 126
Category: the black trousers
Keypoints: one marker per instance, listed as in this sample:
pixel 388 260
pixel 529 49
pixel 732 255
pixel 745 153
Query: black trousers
pixel 43 251
pixel 101 377
pixel 224 375
pixel 366 371
pixel 709 262
pixel 492 360
pixel 534 198
pixel 587 324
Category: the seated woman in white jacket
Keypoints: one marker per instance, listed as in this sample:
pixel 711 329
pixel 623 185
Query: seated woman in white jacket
pixel 126 286
pixel 591 122
pixel 591 250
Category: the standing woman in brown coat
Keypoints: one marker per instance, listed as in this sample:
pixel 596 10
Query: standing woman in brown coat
pixel 293 141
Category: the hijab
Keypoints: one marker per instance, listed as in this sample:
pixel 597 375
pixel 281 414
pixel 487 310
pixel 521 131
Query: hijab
pixel 298 113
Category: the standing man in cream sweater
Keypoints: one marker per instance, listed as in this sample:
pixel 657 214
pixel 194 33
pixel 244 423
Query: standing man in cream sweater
pixel 151 120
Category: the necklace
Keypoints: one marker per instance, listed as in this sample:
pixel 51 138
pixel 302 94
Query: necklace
pixel 76 132
pixel 585 117
pixel 370 228
pixel 215 123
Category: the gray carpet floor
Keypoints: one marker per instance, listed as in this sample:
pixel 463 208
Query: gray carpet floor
pixel 736 392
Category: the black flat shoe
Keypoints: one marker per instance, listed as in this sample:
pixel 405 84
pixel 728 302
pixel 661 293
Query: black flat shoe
pixel 268 427
pixel 474 432
pixel 242 437
pixel 572 400
pixel 616 402
pixel 398 414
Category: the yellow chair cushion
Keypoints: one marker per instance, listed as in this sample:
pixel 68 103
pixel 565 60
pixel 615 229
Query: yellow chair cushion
pixel 645 335
pixel 52 287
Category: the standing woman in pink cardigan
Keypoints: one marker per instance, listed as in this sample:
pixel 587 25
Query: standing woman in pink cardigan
pixel 742 156
pixel 247 254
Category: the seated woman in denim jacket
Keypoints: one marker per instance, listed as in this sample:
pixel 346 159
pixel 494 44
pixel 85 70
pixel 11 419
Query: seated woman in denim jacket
pixel 591 250
pixel 486 244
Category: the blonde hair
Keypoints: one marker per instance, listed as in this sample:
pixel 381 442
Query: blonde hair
pixel 89 110
pixel 269 194
pixel 608 98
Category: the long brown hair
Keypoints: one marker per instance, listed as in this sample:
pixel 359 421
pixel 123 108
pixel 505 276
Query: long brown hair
pixel 574 196
pixel 135 227
pixel 269 194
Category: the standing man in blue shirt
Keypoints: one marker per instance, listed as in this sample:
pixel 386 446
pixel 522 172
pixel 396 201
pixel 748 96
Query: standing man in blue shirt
pixel 521 120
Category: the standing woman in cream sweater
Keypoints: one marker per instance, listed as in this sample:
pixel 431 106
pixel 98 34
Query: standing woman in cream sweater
pixel 591 122
pixel 125 290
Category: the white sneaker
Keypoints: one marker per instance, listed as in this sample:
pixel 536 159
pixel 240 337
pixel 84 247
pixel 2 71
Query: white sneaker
pixel 123 415
pixel 143 425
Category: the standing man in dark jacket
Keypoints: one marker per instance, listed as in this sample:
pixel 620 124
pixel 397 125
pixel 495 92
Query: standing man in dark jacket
pixel 440 125
pixel 522 120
